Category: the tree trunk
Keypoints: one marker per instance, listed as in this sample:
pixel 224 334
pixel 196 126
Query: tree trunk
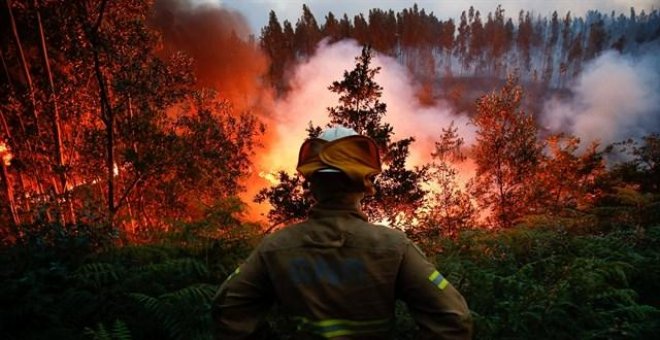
pixel 5 69
pixel 25 66
pixel 107 115
pixel 57 131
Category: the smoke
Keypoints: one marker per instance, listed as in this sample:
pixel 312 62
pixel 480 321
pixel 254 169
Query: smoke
pixel 616 97
pixel 226 59
pixel 309 99
pixel 218 40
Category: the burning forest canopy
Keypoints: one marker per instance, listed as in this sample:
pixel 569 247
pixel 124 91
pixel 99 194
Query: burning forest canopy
pixel 148 113
pixel 143 141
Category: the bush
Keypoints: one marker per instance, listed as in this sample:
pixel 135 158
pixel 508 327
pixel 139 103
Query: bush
pixel 539 281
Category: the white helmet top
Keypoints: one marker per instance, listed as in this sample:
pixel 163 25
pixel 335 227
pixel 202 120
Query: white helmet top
pixel 334 133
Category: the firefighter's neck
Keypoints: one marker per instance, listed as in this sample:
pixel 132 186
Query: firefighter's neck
pixel 338 200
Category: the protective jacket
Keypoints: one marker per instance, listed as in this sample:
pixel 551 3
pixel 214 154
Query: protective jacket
pixel 339 277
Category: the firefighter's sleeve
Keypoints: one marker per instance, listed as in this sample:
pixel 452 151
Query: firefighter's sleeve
pixel 242 302
pixel 439 310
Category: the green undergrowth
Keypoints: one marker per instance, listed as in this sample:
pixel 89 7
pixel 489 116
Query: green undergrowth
pixel 543 281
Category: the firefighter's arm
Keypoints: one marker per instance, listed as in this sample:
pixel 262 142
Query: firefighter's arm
pixel 242 302
pixel 438 308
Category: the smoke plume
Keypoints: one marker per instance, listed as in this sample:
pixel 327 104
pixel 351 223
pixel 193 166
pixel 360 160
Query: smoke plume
pixel 616 97
pixel 226 59
pixel 309 99
pixel 218 40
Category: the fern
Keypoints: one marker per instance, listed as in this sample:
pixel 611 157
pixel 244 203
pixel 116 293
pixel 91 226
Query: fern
pixel 182 314
pixel 98 274
pixel 119 331
pixel 184 266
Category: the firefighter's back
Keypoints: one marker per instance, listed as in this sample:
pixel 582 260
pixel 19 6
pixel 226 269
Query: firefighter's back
pixel 336 273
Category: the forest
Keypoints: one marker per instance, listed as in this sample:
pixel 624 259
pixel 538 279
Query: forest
pixel 137 140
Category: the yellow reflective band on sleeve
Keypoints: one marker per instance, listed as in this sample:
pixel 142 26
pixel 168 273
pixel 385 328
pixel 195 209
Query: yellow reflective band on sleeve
pixel 437 279
pixel 234 273
pixel 330 328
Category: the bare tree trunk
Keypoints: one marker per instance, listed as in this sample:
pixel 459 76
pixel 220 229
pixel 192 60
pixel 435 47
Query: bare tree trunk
pixel 107 115
pixel 5 69
pixel 24 64
pixel 57 131
pixel 27 206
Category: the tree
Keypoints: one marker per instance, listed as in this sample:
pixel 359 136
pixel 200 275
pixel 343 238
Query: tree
pixel 643 169
pixel 495 31
pixel 307 33
pixel 331 28
pixel 507 155
pixel 127 123
pixel 272 42
pixel 360 30
pixel 477 42
pixel 462 42
pixel 524 39
pixel 451 208
pixel 568 179
pixel 550 48
pixel 398 190
pixel 597 39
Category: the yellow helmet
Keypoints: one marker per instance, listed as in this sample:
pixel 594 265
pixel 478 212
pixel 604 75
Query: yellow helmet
pixel 341 149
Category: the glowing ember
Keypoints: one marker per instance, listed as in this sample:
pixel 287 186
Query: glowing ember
pixel 5 153
pixel 270 176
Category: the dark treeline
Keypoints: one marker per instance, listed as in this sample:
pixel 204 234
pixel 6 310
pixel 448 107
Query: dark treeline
pixel 548 50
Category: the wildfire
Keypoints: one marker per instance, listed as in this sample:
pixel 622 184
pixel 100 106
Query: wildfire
pixel 270 176
pixel 5 153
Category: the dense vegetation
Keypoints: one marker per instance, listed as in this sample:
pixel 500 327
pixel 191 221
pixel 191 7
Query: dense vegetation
pixel 121 166
pixel 574 278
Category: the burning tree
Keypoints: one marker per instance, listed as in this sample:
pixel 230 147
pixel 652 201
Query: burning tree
pixel 398 189
pixel 451 208
pixel 507 153
pixel 114 133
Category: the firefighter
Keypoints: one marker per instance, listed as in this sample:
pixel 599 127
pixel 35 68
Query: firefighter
pixel 337 275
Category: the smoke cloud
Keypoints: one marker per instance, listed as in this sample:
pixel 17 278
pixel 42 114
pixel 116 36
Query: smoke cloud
pixel 226 59
pixel 616 97
pixel 309 99
pixel 218 40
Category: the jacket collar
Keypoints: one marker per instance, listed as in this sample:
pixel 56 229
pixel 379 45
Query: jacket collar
pixel 338 205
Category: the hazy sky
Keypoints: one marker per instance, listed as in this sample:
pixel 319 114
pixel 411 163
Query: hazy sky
pixel 256 11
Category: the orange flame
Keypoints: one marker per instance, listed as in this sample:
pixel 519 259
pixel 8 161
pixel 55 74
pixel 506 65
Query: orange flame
pixel 5 153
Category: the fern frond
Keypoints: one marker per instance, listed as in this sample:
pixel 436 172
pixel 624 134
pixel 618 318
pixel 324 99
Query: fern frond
pixel 119 331
pixel 98 273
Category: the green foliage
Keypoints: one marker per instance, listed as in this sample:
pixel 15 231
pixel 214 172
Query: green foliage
pixel 547 283
pixel 119 331
pixel 547 278
pixel 159 290
pixel 399 191
pixel 183 313
pixel 507 155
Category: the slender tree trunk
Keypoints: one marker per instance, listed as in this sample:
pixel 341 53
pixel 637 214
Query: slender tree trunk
pixel 11 86
pixel 107 115
pixel 57 131
pixel 27 207
pixel 25 66
pixel 5 69
pixel 9 191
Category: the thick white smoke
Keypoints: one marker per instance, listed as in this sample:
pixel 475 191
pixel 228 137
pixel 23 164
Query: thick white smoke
pixel 309 99
pixel 616 97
